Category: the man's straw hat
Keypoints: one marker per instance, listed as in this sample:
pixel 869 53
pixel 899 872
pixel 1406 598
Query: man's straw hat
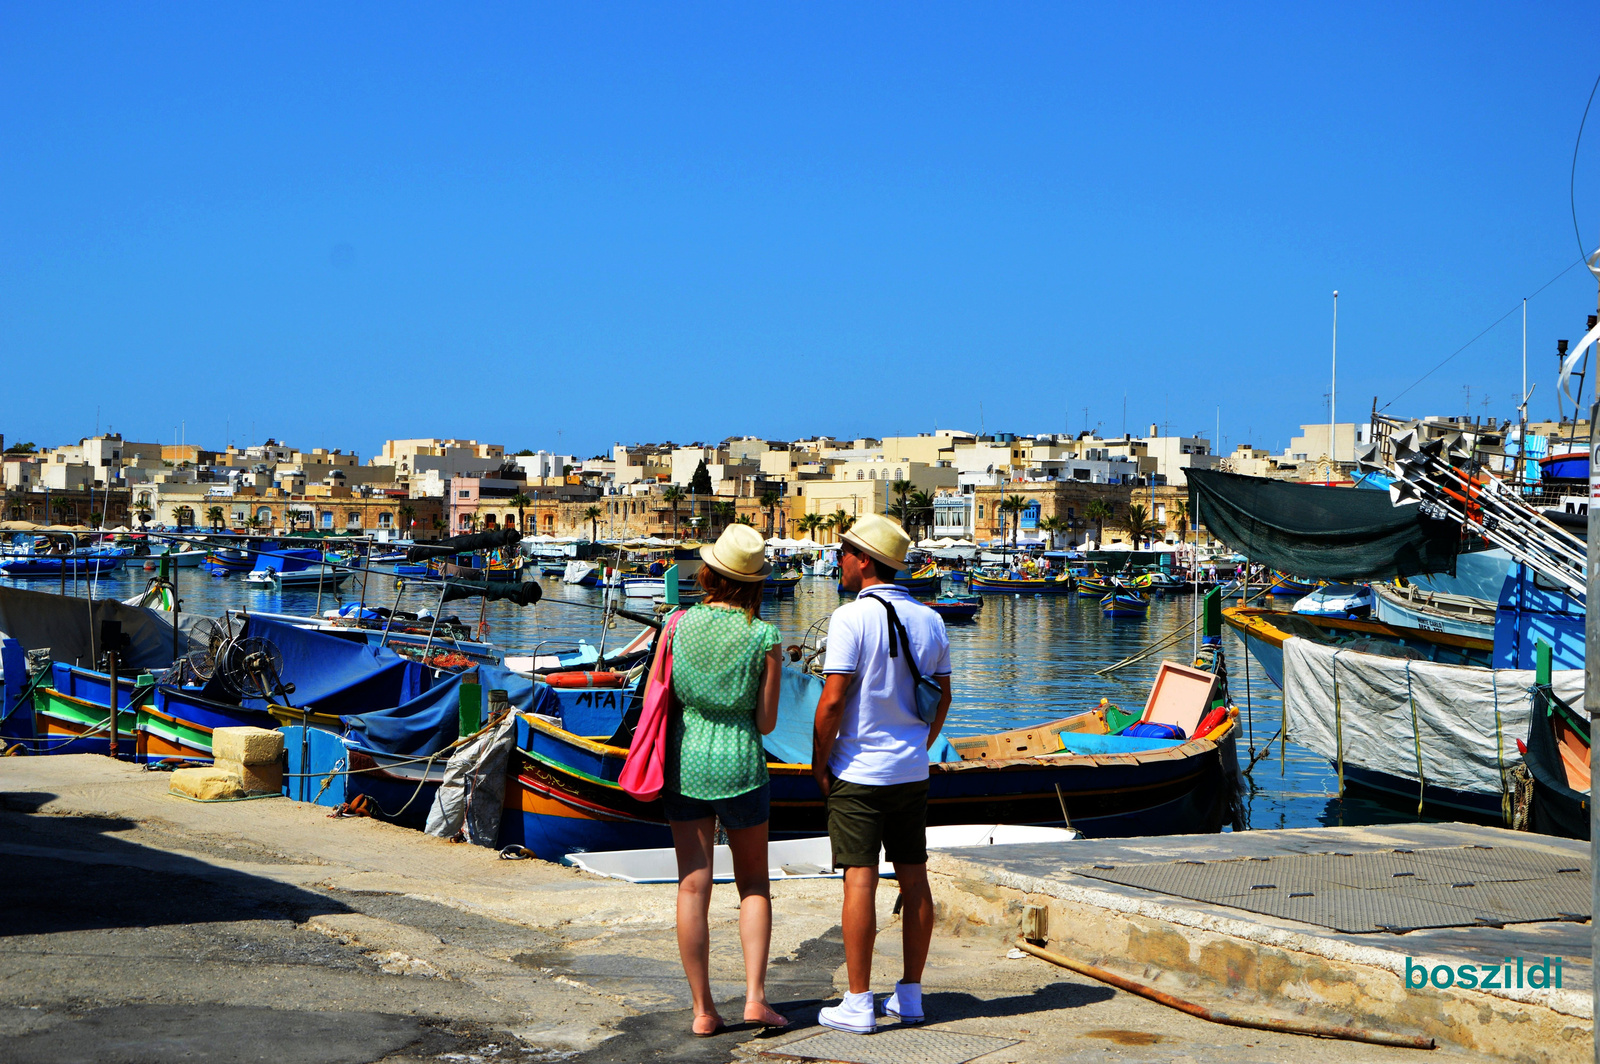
pixel 880 537
pixel 738 554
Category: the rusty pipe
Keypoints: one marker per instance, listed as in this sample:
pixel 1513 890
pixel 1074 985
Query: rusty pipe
pixel 1304 1027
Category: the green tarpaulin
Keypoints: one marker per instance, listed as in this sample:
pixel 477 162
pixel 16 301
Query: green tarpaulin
pixel 1321 533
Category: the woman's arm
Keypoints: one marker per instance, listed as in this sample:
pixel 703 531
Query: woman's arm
pixel 767 698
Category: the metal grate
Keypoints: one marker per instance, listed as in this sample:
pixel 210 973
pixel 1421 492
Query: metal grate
pixel 1388 890
pixel 898 1045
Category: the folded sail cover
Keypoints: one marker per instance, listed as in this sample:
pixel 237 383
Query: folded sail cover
pixel 1318 532
pixel 500 537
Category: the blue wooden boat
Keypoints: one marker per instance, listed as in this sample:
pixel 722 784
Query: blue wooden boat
pixel 1088 587
pixel 780 586
pixel 956 609
pixel 1125 603
pixel 1287 585
pixel 45 565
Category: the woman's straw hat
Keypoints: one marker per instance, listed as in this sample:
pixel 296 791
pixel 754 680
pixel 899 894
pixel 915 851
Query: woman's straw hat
pixel 738 554
pixel 880 537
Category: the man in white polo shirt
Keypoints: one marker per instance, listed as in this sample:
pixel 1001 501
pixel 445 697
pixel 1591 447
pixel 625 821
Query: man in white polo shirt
pixel 870 758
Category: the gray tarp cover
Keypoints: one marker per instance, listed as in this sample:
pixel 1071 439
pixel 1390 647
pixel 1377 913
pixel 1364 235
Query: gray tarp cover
pixel 38 619
pixel 1321 533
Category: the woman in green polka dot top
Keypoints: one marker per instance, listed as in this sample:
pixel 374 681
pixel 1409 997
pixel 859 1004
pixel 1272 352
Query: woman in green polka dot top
pixel 725 678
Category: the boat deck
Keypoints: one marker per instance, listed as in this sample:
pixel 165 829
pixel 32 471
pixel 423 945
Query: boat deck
pixel 1321 922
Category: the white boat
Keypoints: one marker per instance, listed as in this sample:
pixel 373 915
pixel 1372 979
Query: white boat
pixel 1337 600
pixel 801 858
pixel 180 559
pixel 644 586
pixel 1435 611
pixel 327 578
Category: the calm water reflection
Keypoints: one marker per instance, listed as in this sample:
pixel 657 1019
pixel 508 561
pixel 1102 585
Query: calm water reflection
pixel 1025 659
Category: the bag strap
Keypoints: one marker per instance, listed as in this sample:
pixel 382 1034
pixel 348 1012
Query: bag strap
pixel 896 625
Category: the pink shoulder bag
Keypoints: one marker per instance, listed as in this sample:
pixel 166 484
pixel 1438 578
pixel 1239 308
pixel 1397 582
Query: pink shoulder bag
pixel 644 771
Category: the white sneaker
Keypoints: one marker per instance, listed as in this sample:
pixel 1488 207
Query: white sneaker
pixel 854 1014
pixel 905 1003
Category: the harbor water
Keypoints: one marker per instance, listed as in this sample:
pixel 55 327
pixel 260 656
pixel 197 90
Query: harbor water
pixel 1024 659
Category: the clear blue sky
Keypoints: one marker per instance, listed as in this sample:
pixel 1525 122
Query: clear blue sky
pixel 560 226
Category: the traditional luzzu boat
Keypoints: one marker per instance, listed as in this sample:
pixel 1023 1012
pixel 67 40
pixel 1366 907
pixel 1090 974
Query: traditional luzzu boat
pixel 1060 584
pixel 56 565
pixel 924 579
pixel 1125 603
pixel 564 796
pixel 1088 587
pixel 1266 631
pixel 952 608
pixel 1557 756
pixel 777 586
pixel 1288 585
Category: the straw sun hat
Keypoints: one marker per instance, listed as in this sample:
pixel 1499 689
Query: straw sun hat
pixel 738 554
pixel 881 538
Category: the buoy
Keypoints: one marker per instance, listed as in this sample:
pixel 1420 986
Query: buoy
pixel 585 679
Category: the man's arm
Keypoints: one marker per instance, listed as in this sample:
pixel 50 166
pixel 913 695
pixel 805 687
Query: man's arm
pixel 830 713
pixel 944 707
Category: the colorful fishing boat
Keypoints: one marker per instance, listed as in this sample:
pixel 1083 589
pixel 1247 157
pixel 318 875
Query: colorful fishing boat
pixel 1410 606
pixel 1089 587
pixel 1557 756
pixel 1125 603
pixel 1265 631
pixel 47 565
pixel 956 609
pixel 1060 584
pixel 780 586
pixel 1287 585
pixel 923 580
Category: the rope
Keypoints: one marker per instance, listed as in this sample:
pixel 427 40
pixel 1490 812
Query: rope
pixel 1175 636
pixel 1338 723
pixel 1416 739
pixel 246 798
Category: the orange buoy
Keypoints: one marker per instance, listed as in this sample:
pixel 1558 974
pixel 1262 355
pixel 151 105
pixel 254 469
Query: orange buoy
pixel 585 679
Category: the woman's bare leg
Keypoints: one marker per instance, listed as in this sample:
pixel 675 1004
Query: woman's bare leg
pixel 749 846
pixel 694 840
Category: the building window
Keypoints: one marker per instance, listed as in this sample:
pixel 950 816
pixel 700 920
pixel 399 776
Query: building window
pixel 385 520
pixel 462 494
pixel 859 476
pixel 108 711
pixel 327 522
pixel 352 519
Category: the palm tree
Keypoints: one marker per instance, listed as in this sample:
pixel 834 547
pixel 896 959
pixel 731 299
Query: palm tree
pixel 839 522
pixel 742 519
pixel 1051 526
pixel 520 501
pixel 1097 511
pixel 901 489
pixel 1139 524
pixel 672 496
pixel 252 522
pixel 1014 504
pixel 591 514
pixel 769 503
pixel 828 522
pixel 808 523
pixel 919 509
pixel 61 509
pixel 721 513
pixel 215 516
pixel 408 518
pixel 1178 514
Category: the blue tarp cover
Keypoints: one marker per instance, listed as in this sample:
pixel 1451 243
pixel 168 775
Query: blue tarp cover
pixel 790 741
pixel 333 675
pixel 432 721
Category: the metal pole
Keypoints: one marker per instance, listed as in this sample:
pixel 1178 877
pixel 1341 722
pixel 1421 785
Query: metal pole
pixel 1591 675
pixel 1333 382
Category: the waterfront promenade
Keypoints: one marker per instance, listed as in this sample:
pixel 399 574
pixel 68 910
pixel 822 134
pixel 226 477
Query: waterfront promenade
pixel 264 926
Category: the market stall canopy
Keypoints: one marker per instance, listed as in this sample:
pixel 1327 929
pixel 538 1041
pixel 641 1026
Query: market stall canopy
pixel 1318 532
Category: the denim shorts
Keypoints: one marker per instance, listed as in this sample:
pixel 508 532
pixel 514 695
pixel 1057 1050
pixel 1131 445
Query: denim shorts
pixel 741 811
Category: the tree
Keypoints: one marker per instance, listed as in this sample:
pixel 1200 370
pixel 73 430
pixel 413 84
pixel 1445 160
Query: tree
pixel 521 502
pixel 700 483
pixel 672 496
pixel 1098 511
pixel 1178 514
pixel 25 448
pixel 808 523
pixel 215 517
pixel 524 453
pixel 1051 526
pixel 901 489
pixel 1014 505
pixel 827 523
pixel 742 519
pixel 1139 524
pixel 591 514
pixel 408 518
pixel 919 511
pixel 769 503
pixel 842 522
pixel 722 513
pixel 252 522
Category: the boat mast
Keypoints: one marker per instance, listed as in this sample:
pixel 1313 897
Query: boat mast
pixel 1333 381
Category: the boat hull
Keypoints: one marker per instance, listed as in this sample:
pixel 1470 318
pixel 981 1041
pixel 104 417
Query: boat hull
pixel 1024 586
pixel 564 797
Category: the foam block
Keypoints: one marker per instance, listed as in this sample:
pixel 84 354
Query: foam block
pixel 257 779
pixel 206 783
pixel 246 746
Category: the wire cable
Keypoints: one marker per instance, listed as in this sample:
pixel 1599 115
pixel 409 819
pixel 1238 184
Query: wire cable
pixel 1485 332
pixel 1572 179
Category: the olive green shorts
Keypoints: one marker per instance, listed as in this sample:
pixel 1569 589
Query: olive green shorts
pixel 861 819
